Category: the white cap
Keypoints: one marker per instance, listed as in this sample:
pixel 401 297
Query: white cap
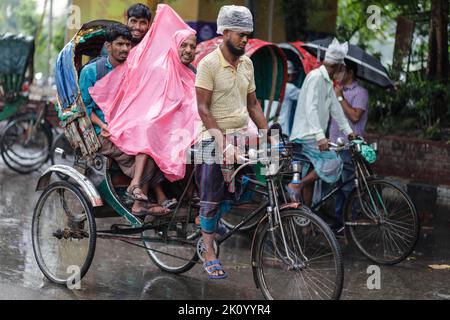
pixel 336 52
pixel 290 67
pixel 234 18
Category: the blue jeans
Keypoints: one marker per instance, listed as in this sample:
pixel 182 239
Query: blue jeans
pixel 342 194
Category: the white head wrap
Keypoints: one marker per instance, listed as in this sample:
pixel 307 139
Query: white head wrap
pixel 234 18
pixel 336 52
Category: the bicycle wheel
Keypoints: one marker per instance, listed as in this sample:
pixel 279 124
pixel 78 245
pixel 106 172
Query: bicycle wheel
pixel 63 232
pixel 299 259
pixel 173 248
pixel 25 146
pixel 383 222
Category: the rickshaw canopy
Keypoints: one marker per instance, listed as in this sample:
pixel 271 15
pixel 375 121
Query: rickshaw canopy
pixel 16 55
pixel 88 42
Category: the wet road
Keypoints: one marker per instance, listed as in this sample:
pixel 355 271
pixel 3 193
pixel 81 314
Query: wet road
pixel 120 271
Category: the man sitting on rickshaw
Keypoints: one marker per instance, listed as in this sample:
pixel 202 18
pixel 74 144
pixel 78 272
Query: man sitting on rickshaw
pixel 139 18
pixel 150 102
pixel 140 168
pixel 139 21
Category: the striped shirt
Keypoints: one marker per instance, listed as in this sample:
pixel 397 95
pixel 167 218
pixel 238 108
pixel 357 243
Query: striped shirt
pixel 358 98
pixel 230 88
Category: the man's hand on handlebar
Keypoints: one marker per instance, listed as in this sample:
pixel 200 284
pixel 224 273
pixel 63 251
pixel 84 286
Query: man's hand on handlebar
pixel 323 145
pixel 353 136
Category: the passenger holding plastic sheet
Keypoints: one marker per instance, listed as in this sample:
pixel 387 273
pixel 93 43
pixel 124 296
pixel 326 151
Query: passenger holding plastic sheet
pixel 141 169
pixel 149 102
pixel 317 102
pixel 226 95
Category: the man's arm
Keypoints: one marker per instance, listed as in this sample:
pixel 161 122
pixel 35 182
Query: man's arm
pixel 255 111
pixel 354 114
pixel 338 114
pixel 88 77
pixel 103 126
pixel 204 104
pixel 312 102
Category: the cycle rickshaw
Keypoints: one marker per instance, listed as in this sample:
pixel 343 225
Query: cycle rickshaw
pixel 292 247
pixel 26 140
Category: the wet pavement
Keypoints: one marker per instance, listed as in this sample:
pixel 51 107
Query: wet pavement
pixel 121 271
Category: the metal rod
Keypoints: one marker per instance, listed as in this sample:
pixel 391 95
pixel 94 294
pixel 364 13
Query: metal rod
pixel 50 40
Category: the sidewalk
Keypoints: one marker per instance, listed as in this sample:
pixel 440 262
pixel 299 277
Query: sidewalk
pixel 438 193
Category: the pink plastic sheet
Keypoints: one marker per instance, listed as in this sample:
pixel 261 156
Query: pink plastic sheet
pixel 149 101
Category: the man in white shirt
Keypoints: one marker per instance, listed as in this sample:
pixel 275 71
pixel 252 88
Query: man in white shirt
pixel 316 103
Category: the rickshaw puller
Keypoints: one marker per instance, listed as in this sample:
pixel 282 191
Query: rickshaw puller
pixel 226 95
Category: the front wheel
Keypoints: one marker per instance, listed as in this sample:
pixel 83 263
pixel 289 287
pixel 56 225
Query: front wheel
pixel 382 221
pixel 63 233
pixel 298 259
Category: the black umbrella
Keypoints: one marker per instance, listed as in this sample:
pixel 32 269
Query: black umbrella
pixel 370 69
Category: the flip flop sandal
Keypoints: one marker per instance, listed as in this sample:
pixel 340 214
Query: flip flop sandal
pixel 141 213
pixel 213 266
pixel 151 206
pixel 133 195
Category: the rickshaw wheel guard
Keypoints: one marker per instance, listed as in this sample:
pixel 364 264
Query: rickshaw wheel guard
pixel 87 187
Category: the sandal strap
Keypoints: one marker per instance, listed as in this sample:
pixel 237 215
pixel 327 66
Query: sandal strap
pixel 214 268
pixel 211 263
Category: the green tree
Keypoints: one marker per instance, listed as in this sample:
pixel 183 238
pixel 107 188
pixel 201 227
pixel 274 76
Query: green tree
pixel 21 16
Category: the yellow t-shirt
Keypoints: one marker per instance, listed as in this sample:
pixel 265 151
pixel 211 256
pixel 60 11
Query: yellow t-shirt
pixel 229 87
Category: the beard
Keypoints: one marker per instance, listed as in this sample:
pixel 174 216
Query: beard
pixel 136 41
pixel 234 51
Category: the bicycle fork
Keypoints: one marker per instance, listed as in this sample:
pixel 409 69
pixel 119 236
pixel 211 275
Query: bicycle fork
pixel 274 211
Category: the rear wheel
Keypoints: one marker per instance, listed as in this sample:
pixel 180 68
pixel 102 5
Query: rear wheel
pixel 25 145
pixel 63 233
pixel 173 248
pixel 299 259
pixel 383 222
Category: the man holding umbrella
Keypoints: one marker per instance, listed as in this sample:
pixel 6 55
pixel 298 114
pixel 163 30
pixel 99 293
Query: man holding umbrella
pixel 317 102
pixel 354 101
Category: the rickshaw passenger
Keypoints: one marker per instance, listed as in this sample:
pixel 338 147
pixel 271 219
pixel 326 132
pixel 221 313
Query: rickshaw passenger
pixel 141 168
pixel 139 17
pixel 155 87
